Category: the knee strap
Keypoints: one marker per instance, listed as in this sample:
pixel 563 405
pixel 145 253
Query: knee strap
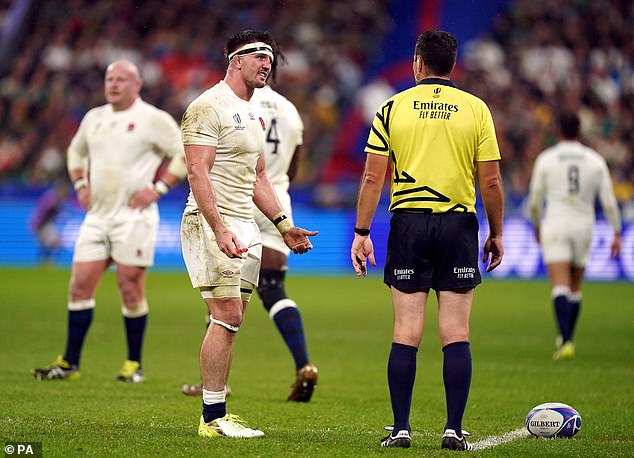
pixel 227 326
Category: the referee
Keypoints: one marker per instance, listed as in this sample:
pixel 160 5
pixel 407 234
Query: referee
pixel 436 138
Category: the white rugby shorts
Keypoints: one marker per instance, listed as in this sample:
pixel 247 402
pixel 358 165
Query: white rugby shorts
pixel 566 241
pixel 129 242
pixel 207 265
pixel 271 237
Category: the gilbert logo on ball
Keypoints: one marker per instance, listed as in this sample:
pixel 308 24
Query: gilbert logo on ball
pixel 553 419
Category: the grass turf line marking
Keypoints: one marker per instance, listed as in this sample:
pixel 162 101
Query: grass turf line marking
pixel 494 441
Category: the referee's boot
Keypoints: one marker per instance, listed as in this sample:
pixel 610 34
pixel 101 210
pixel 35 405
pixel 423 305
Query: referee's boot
pixel 401 440
pixel 451 441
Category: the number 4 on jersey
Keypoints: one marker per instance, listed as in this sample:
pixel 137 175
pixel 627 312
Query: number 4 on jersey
pixel 272 136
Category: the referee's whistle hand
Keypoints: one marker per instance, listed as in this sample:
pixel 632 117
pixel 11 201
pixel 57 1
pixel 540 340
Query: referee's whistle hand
pixel 359 266
pixel 361 252
pixel 494 249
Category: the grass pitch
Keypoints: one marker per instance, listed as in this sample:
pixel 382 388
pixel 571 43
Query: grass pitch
pixel 348 325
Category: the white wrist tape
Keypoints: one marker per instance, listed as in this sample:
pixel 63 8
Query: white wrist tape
pixel 80 183
pixel 161 188
pixel 178 166
pixel 282 223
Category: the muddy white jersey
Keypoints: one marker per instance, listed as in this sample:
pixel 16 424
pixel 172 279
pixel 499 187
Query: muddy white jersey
pixel 569 177
pixel 123 150
pixel 235 127
pixel 284 131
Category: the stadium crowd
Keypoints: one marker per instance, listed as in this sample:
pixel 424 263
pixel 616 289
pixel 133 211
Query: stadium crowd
pixel 56 74
pixel 544 57
pixel 537 58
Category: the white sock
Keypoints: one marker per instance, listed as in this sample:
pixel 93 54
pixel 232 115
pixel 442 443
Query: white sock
pixel 213 397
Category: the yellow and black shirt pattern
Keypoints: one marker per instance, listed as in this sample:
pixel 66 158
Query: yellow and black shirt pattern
pixel 434 134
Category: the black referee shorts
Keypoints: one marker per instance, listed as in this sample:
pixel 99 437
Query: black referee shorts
pixel 432 250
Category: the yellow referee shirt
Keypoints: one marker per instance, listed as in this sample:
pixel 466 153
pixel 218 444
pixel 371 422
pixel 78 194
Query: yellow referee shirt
pixel 434 134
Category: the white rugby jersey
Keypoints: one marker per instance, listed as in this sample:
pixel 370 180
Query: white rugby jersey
pixel 219 118
pixel 123 150
pixel 284 131
pixel 569 176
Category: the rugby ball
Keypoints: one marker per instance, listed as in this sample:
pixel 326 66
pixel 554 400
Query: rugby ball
pixel 553 419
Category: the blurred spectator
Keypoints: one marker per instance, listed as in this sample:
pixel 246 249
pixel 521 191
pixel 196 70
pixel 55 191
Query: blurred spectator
pixel 560 55
pixel 538 58
pixel 58 71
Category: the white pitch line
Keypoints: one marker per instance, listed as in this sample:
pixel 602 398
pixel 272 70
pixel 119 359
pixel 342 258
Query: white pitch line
pixel 494 441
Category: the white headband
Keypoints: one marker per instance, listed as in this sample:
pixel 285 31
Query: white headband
pixel 253 48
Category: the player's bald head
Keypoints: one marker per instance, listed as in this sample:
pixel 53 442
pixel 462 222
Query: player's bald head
pixel 122 84
pixel 125 66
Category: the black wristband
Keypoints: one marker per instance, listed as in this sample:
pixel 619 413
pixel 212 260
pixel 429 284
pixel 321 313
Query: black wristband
pixel 362 232
pixel 282 223
pixel 279 219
